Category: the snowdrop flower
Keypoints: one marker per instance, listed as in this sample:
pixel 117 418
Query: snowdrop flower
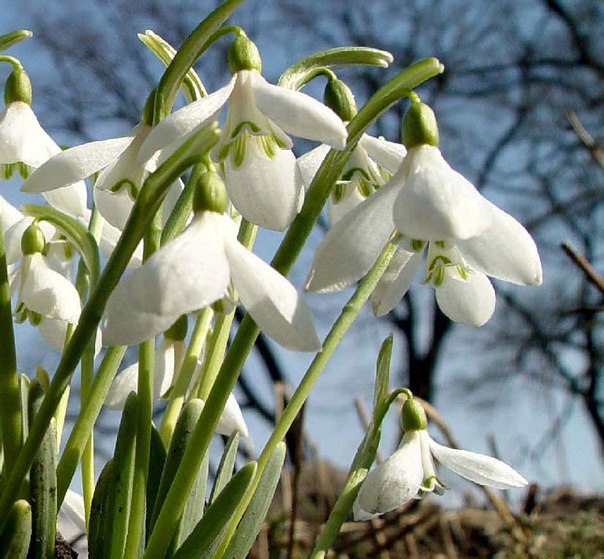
pixel 43 292
pixel 195 270
pixel 25 145
pixel 371 163
pixel 259 166
pixel 429 204
pixel 409 473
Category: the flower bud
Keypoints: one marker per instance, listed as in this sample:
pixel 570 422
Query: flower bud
pixel 419 126
pixel 243 55
pixel 32 240
pixel 413 416
pixel 340 99
pixel 17 87
pixel 210 194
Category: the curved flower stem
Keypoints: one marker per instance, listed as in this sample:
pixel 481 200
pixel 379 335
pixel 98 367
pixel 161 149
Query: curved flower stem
pixel 185 375
pixel 147 204
pixel 10 410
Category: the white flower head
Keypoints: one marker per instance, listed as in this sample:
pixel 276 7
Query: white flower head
pixel 371 164
pixel 194 271
pixel 24 145
pixel 410 473
pixel 260 170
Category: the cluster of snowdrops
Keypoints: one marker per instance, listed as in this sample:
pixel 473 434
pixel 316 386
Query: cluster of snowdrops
pixel 146 240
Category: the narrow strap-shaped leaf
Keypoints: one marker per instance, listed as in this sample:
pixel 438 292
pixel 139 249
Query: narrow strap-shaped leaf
pixel 157 459
pixel 98 511
pixel 119 498
pixel 187 419
pixel 205 537
pixel 75 232
pixel 16 535
pixel 195 507
pixel 226 466
pixel 255 513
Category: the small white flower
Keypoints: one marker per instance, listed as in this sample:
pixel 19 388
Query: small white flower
pixel 410 473
pixel 24 143
pixel 194 271
pixel 260 170
pixel 371 164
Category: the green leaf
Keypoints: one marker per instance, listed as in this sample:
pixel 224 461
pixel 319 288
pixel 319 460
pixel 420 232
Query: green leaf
pixel 98 511
pixel 382 376
pixel 255 513
pixel 157 459
pixel 306 69
pixel 226 466
pixel 75 232
pixel 192 87
pixel 119 497
pixel 206 536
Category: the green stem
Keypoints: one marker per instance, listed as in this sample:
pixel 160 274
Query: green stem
pixel 84 423
pixel 147 204
pixel 348 315
pixel 193 47
pixel 136 522
pixel 185 375
pixel 10 410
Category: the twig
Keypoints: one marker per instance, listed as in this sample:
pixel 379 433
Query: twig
pixel 582 263
pixel 596 151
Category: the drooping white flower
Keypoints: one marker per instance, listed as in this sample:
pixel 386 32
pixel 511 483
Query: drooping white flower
pixel 194 271
pixel 468 237
pixel 259 167
pixel 409 472
pixel 371 164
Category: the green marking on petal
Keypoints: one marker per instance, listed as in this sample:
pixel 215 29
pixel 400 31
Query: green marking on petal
pixel 417 245
pixel 34 318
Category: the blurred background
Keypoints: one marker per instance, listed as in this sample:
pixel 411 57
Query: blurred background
pixel 521 113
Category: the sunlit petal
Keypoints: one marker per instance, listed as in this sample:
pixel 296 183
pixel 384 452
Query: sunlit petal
pixel 470 301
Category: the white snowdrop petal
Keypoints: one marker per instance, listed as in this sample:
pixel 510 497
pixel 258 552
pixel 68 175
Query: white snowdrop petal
pixel 478 468
pixel 396 281
pixel 75 164
pixel 115 207
pixel 352 246
pixel 165 361
pixel 470 302
pixel 48 293
pixel 394 482
pixel 298 114
pixel 505 250
pixel 389 155
pixel 22 138
pixel 436 202
pixel 344 206
pixel 231 419
pixel 73 509
pixel 267 192
pixel 109 238
pixel 187 274
pixel 9 215
pixel 176 127
pixel 309 163
pixel 272 301
pixel 70 199
pixel 123 383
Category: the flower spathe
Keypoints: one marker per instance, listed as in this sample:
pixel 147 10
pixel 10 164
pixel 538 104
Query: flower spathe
pixel 259 167
pixel 409 473
pixel 194 271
